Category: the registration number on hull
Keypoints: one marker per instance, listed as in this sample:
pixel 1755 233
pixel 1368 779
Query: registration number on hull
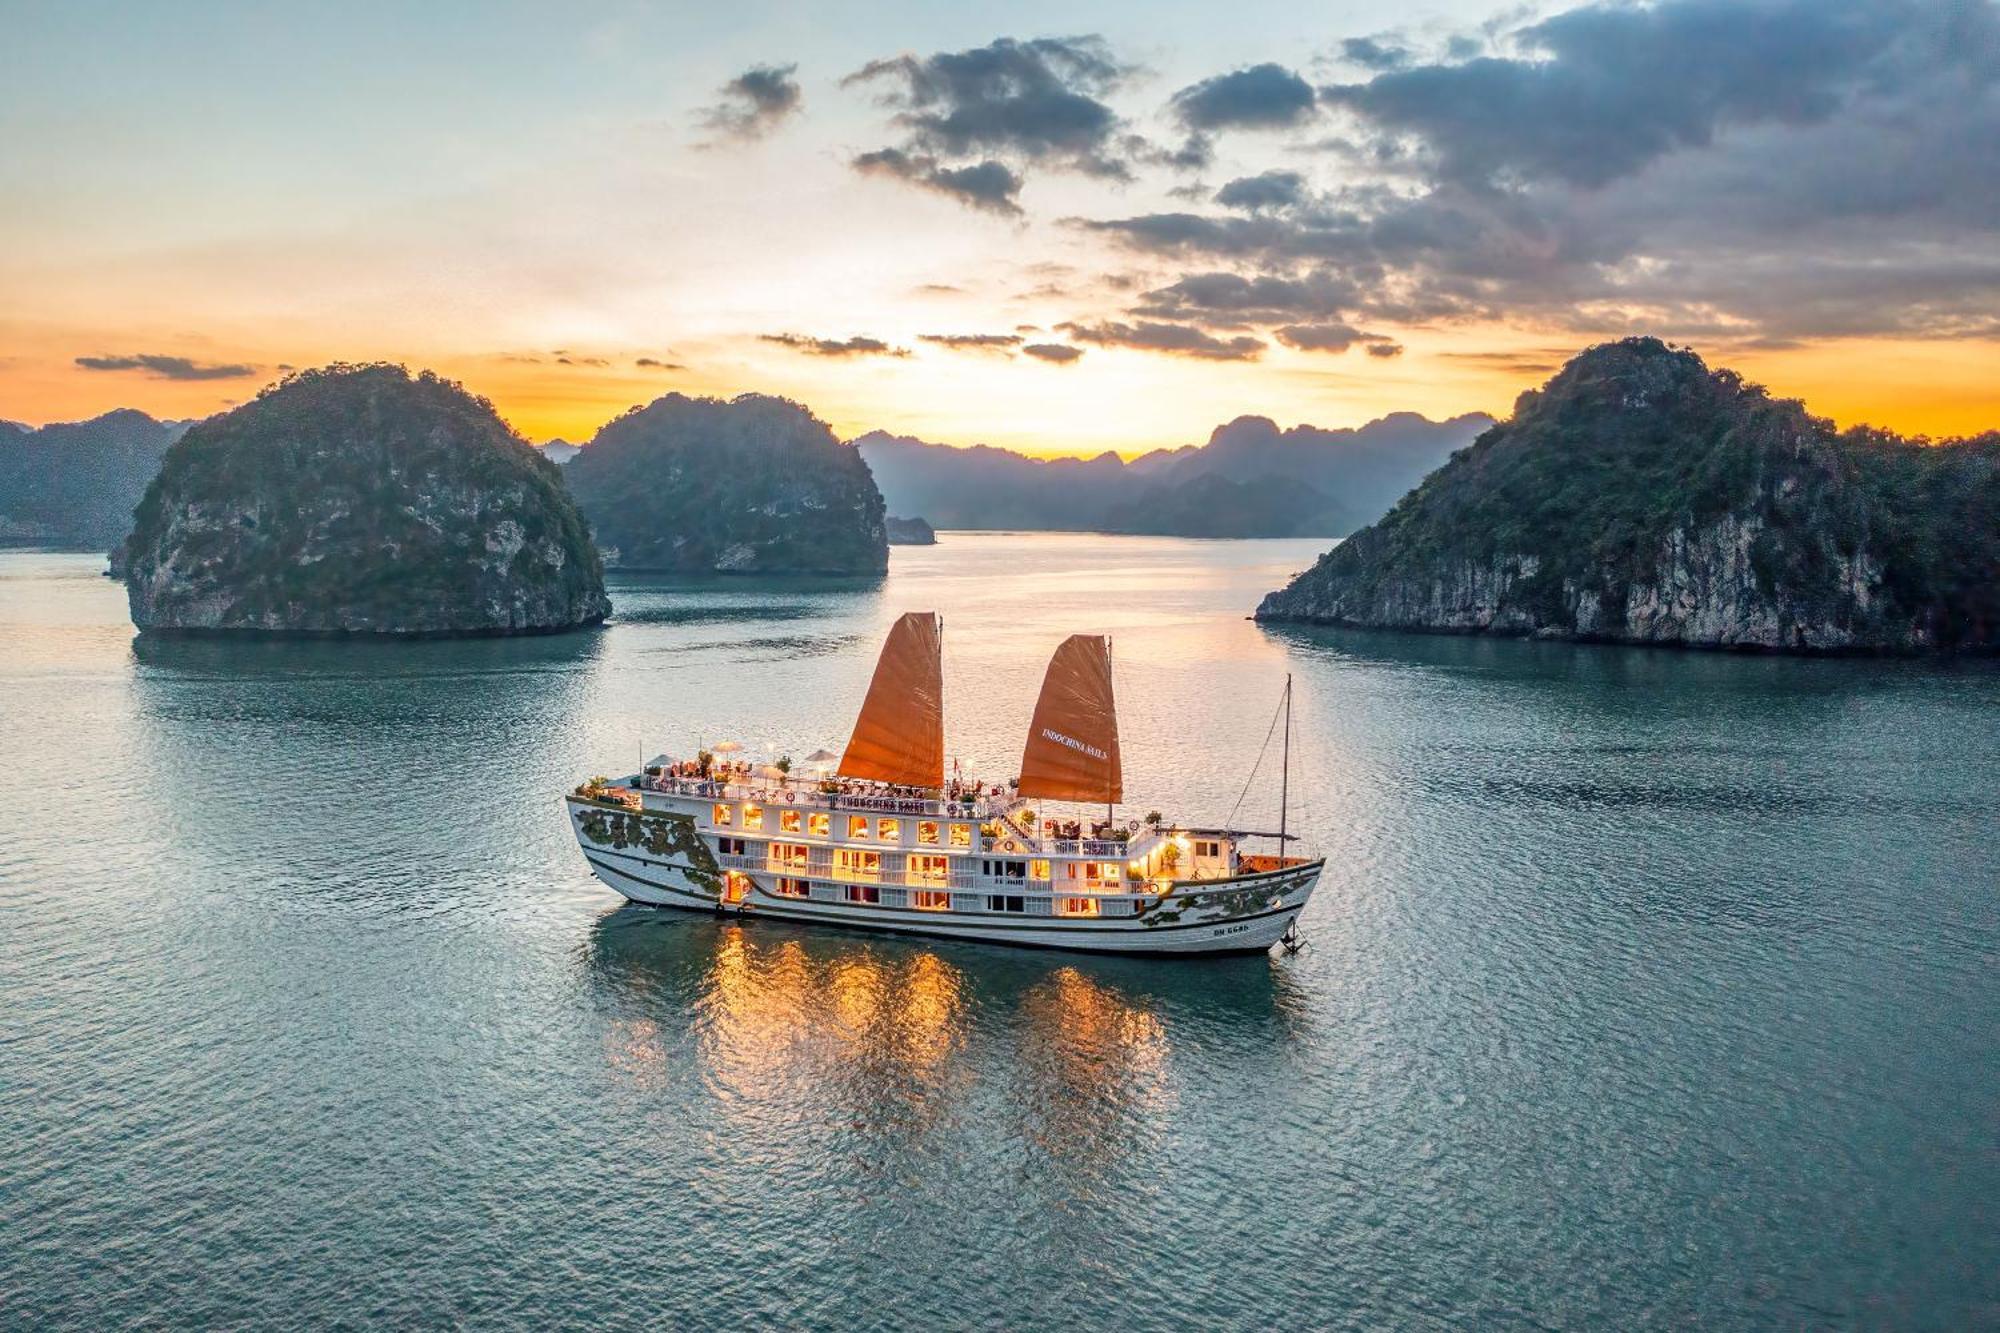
pixel 1230 930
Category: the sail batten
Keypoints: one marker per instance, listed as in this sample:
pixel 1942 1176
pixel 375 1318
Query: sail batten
pixel 1072 750
pixel 899 736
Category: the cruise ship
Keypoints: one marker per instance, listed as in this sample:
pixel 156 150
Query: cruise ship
pixel 882 839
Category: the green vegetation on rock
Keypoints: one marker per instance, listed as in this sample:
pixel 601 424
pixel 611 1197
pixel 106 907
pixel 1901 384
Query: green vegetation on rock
pixel 360 500
pixel 73 484
pixel 751 485
pixel 1641 497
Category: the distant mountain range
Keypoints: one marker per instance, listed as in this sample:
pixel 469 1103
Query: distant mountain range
pixel 74 484
pixel 1250 479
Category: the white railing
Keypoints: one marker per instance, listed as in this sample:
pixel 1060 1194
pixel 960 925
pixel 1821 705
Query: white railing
pixel 766 793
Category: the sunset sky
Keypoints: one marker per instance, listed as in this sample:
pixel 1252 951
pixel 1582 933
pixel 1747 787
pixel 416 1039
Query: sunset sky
pixel 1060 228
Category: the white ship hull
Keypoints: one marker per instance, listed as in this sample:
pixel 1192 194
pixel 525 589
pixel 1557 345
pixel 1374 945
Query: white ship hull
pixel 677 864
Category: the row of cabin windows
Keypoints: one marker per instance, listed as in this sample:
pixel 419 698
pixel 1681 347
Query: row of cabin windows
pixel 934 900
pixel 930 833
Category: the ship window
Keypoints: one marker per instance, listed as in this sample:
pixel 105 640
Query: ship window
pixel 731 846
pixel 793 888
pixel 931 900
pixel 1070 869
pixel 889 830
pixel 1077 907
pixel 931 868
pixel 863 893
pixel 857 865
pixel 1205 847
pixel 961 835
pixel 857 826
pixel 820 826
pixel 753 816
pixel 1005 902
pixel 927 832
pixel 792 854
pixel 788 821
pixel 722 816
pixel 1038 870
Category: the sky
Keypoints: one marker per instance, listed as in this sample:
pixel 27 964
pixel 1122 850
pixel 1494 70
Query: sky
pixel 1057 228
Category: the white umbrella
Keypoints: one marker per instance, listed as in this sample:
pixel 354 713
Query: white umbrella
pixel 822 758
pixel 771 771
pixel 724 747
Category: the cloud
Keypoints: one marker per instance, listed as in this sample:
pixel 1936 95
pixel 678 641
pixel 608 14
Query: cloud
pixel 972 342
pixel 986 185
pixel 1331 337
pixel 1374 53
pixel 1385 350
pixel 1262 97
pixel 1060 354
pixel 754 103
pixel 162 367
pixel 833 346
pixel 1717 169
pixel 1176 339
pixel 967 115
pixel 581 361
pixel 654 363
pixel 1234 299
pixel 1270 189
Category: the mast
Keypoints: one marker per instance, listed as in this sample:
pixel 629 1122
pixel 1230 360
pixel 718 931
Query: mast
pixel 1285 773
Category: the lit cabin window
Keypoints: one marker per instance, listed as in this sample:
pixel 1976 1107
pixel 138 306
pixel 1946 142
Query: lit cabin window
pixel 927 832
pixel 1070 870
pixel 819 826
pixel 931 900
pixel 929 869
pixel 863 893
pixel 889 830
pixel 1076 907
pixel 753 816
pixel 1038 870
pixel 788 821
pixel 961 835
pixel 787 887
pixel 857 826
pixel 852 864
pixel 722 816
pixel 792 855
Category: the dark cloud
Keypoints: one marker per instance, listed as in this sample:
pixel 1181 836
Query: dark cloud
pixel 1270 189
pixel 939 289
pixel 1385 350
pixel 985 185
pixel 1373 53
pixel 754 103
pixel 973 342
pixel 163 367
pixel 1516 363
pixel 654 363
pixel 966 115
pixel 1177 339
pixel 1262 97
pixel 1601 91
pixel 1060 354
pixel 1234 300
pixel 799 342
pixel 581 361
pixel 1330 337
pixel 1696 168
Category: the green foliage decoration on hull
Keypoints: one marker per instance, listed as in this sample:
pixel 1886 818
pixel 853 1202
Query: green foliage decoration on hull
pixel 662 835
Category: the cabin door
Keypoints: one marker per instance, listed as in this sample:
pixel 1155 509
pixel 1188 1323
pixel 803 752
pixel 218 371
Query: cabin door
pixel 735 888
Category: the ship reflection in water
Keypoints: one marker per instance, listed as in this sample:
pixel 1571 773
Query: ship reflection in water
pixel 904 1058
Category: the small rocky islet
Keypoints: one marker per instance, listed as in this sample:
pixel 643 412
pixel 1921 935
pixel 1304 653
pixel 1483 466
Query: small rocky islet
pixel 747 485
pixel 359 500
pixel 1641 497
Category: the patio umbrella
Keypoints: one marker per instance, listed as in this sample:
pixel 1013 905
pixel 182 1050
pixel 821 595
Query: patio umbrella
pixel 771 771
pixel 724 747
pixel 822 758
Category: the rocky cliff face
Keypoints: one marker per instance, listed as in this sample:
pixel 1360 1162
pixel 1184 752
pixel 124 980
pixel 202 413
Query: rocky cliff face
pixel 73 484
pixel 755 485
pixel 360 500
pixel 910 532
pixel 1642 498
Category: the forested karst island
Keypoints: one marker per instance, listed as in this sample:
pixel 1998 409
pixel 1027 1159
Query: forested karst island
pixel 753 484
pixel 72 485
pixel 360 500
pixel 1641 497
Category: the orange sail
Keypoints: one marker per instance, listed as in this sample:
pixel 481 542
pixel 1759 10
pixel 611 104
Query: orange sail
pixel 899 736
pixel 1072 752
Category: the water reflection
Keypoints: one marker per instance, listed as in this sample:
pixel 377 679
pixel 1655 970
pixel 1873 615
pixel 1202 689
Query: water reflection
pixel 910 1054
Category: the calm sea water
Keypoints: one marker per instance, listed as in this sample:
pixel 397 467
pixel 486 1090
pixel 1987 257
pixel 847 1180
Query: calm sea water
pixel 1644 988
